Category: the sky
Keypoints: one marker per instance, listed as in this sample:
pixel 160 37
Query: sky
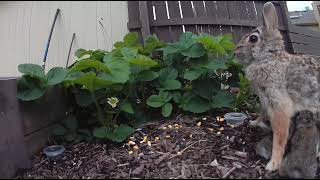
pixel 298 5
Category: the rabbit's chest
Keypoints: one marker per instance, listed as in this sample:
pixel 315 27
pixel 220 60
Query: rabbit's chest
pixel 266 75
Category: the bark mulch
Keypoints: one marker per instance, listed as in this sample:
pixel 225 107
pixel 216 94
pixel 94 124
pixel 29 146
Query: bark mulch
pixel 185 147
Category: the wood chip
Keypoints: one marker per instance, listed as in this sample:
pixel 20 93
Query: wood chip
pixel 241 154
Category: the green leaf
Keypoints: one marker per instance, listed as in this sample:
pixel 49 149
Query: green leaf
pixel 126 107
pixel 81 52
pixel 176 97
pixel 147 75
pixel 152 42
pixel 28 89
pixel 211 44
pixel 167 73
pixel 223 99
pixel 118 134
pixel 197 105
pixel 171 84
pixel 193 74
pixel 165 95
pixel 186 40
pixel 129 53
pixel 131 39
pixel 92 82
pixel 56 75
pixel 59 130
pixel 155 101
pixel 143 61
pixel 215 64
pixel 119 70
pixel 167 110
pixel 194 51
pixel 33 70
pixel 205 88
pixel 121 132
pixel 89 63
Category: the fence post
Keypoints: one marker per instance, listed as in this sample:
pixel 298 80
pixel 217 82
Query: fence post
pixel 287 23
pixel 144 19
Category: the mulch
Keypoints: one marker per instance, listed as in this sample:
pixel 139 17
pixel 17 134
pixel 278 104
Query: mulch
pixel 185 147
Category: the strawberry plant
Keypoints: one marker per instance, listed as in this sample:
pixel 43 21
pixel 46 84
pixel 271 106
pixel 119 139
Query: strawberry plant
pixel 117 89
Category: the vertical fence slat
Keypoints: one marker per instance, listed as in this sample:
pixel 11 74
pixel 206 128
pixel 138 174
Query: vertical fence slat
pixel 174 11
pixel 200 12
pixel 144 18
pixel 134 17
pixel 187 12
pixel 234 15
pixel 162 32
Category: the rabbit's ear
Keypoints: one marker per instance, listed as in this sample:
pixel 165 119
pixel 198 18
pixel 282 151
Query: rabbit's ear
pixel 270 17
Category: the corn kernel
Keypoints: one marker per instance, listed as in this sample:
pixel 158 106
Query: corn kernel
pixel 179 153
pixel 210 129
pixel 221 129
pixel 156 138
pixel 199 124
pixel 135 147
pixel 170 126
pixel 145 138
pixel 167 136
pixel 130 152
pixel 131 143
pixel 164 128
pixel 218 133
pixel 176 125
pixel 149 143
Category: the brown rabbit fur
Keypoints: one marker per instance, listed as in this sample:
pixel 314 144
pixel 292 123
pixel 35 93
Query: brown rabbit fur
pixel 285 83
pixel 301 162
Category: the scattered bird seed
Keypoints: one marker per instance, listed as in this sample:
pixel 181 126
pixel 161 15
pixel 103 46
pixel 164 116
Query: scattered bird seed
pixel 135 147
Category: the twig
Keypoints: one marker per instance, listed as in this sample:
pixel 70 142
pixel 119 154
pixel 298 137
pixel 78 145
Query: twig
pixel 41 162
pixel 125 164
pixel 229 172
pixel 186 148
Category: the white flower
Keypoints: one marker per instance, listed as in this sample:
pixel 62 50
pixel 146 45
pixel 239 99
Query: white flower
pixel 113 101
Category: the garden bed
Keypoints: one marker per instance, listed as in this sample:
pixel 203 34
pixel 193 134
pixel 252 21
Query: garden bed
pixel 188 147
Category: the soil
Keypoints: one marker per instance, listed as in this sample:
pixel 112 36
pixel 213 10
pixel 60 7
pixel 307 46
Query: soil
pixel 185 147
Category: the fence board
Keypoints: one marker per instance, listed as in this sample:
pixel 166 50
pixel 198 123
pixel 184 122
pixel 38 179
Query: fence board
pixel 234 15
pixel 221 17
pixel 302 39
pixel 305 49
pixel 187 12
pixel 161 14
pixel 174 12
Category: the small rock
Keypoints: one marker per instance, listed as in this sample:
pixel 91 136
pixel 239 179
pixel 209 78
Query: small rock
pixel 232 139
pixel 214 163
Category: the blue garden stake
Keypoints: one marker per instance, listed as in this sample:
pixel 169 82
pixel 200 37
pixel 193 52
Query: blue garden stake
pixel 49 39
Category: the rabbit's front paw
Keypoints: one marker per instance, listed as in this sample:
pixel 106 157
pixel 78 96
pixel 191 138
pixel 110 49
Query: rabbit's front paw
pixel 273 165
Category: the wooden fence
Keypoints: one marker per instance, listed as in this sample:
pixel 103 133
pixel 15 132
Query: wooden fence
pixel 168 19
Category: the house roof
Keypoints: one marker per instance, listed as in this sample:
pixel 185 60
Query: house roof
pixel 306 17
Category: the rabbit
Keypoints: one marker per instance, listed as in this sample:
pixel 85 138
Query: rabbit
pixel 301 160
pixel 302 148
pixel 285 83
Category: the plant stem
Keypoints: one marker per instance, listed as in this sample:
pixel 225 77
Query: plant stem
pixel 116 116
pixel 100 115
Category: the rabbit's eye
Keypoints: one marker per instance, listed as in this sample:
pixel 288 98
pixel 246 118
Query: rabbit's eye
pixel 253 38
